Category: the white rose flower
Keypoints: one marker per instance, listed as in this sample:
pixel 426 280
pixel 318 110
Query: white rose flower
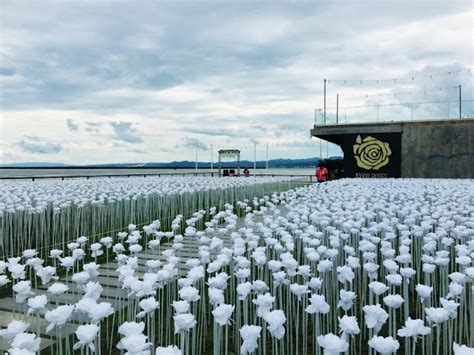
pixel 413 328
pixel 383 345
pixel 26 341
pixel 332 344
pixel 222 313
pixel 37 304
pixel 58 316
pixel 169 350
pixel 318 305
pixel 184 322
pixel 275 320
pixel 86 335
pixel 249 335
pixel 13 328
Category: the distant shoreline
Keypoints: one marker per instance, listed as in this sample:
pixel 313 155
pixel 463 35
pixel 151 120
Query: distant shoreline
pixel 142 167
pixel 177 165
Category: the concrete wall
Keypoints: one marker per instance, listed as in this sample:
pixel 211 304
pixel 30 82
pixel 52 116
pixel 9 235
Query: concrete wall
pixel 430 149
pixel 438 149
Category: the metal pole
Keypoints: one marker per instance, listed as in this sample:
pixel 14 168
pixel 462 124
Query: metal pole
pixel 266 167
pixel 212 157
pixel 196 167
pixel 337 108
pixel 324 101
pixel 460 102
pixel 254 158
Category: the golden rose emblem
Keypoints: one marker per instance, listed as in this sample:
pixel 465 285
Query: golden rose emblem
pixel 370 153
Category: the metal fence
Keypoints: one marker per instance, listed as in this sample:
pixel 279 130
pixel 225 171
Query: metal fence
pixel 306 178
pixel 417 111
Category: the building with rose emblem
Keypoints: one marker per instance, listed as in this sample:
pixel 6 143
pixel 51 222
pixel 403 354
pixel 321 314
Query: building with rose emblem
pixel 409 149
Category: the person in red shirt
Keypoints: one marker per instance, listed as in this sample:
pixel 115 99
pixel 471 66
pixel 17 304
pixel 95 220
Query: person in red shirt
pixel 321 173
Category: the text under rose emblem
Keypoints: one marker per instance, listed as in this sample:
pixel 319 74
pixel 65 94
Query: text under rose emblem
pixel 370 153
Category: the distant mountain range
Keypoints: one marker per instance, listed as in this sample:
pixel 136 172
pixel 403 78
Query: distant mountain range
pixel 185 164
pixel 33 165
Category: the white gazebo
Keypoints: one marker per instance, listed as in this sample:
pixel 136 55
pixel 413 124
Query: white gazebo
pixel 229 155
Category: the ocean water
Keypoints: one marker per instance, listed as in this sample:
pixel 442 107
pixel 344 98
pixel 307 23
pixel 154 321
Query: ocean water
pixel 38 172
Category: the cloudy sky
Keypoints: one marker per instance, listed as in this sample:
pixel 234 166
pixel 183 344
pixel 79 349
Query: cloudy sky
pixel 131 81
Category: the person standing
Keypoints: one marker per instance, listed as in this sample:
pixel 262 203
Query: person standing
pixel 321 173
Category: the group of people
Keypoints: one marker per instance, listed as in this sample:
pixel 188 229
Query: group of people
pixel 324 172
pixel 231 172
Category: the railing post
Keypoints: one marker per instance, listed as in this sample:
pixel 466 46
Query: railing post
pixel 324 101
pixel 460 102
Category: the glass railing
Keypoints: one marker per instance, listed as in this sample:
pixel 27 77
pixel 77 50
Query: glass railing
pixel 416 111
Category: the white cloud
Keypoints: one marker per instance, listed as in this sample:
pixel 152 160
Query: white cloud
pixel 153 85
pixel 193 144
pixel 72 125
pixel 34 145
pixel 124 131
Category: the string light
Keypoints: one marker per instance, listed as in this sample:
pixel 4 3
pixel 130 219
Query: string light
pixel 390 104
pixel 412 77
pixel 307 143
pixel 366 96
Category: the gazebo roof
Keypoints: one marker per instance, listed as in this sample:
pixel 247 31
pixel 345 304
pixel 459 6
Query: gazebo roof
pixel 235 151
pixel 229 154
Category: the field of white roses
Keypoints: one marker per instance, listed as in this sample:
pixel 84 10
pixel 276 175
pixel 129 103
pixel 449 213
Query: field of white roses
pixel 44 214
pixel 351 266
